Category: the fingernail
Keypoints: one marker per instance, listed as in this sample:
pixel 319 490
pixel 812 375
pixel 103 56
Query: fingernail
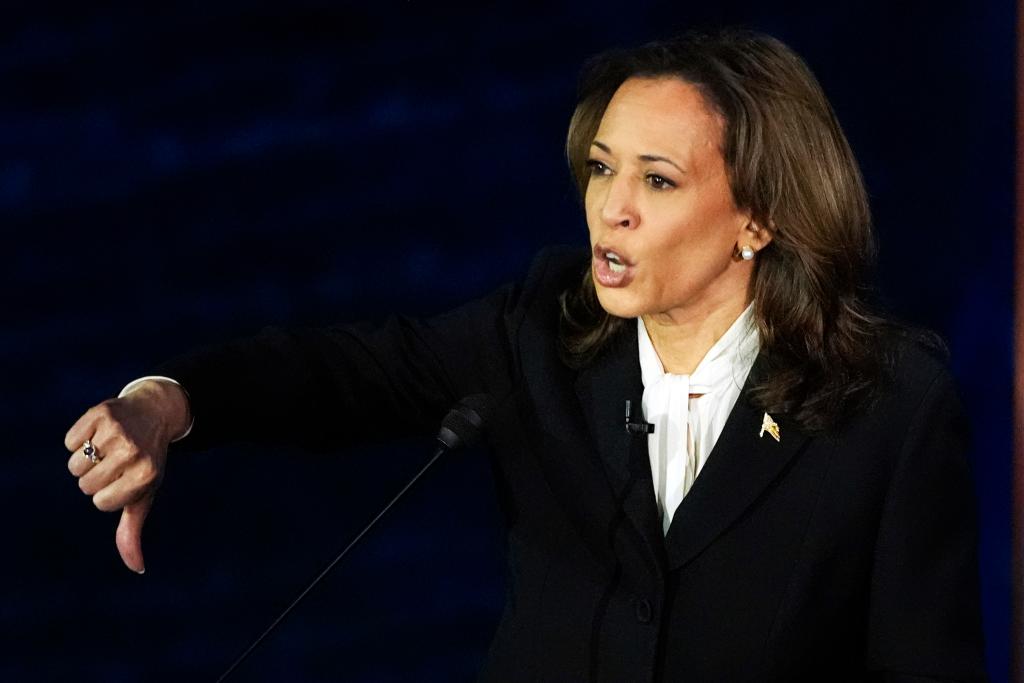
pixel 141 571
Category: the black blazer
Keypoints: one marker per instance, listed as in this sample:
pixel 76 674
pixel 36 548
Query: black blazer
pixel 848 556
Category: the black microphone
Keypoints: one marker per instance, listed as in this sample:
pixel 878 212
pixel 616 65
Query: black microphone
pixel 635 426
pixel 460 427
pixel 463 423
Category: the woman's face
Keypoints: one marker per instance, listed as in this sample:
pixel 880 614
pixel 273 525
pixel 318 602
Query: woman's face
pixel 663 225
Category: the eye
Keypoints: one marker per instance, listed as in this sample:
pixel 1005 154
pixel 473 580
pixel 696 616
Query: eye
pixel 659 182
pixel 598 167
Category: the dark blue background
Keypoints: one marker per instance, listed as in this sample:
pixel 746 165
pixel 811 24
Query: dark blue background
pixel 175 176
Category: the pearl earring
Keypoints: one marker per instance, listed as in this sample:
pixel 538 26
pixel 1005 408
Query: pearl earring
pixel 746 253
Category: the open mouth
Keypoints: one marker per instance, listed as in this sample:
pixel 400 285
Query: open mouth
pixel 615 262
pixel 612 269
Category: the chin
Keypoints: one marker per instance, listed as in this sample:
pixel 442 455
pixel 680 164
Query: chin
pixel 618 302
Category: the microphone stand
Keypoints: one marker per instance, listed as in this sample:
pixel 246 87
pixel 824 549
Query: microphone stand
pixel 460 427
pixel 441 450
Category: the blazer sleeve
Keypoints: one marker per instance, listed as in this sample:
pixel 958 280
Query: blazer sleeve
pixel 326 388
pixel 924 615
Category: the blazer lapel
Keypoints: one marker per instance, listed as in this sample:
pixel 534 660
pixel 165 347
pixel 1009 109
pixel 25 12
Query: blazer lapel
pixel 603 388
pixel 741 465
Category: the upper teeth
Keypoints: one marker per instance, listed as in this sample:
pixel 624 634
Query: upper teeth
pixel 615 262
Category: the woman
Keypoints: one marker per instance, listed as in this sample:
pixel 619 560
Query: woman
pixel 788 498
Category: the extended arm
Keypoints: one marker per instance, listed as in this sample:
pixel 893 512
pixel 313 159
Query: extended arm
pixel 321 388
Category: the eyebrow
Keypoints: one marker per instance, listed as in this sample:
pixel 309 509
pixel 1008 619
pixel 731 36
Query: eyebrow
pixel 643 157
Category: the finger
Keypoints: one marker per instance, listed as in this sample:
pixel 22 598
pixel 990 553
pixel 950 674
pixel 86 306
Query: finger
pixel 84 428
pixel 79 464
pixel 116 455
pixel 101 475
pixel 129 533
pixel 135 482
pixel 101 439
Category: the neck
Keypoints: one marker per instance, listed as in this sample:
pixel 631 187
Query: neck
pixel 682 337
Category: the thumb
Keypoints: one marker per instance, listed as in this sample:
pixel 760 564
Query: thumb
pixel 129 533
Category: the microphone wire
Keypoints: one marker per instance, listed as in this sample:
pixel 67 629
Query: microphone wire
pixel 460 427
pixel 441 449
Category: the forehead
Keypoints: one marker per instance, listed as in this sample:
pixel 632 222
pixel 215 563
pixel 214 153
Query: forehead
pixel 660 115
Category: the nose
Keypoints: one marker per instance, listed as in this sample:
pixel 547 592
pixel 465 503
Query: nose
pixel 619 207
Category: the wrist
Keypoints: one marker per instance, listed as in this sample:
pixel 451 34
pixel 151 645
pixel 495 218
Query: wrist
pixel 171 401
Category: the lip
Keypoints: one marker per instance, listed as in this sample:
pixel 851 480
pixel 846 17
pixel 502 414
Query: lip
pixel 603 272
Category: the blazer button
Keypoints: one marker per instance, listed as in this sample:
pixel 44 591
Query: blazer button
pixel 643 611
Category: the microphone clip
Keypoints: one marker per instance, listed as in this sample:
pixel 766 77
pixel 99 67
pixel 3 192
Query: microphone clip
pixel 634 426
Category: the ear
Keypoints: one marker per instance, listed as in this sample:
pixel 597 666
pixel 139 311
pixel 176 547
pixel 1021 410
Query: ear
pixel 755 235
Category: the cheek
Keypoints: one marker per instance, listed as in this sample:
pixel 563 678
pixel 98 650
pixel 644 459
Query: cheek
pixel 591 212
pixel 687 258
pixel 703 234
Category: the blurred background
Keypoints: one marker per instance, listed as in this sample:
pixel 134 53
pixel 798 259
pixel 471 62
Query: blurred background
pixel 183 173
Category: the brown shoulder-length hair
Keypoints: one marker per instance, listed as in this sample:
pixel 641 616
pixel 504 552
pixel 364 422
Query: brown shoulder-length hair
pixel 790 166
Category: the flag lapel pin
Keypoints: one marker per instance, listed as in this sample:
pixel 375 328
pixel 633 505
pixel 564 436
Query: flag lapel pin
pixel 769 425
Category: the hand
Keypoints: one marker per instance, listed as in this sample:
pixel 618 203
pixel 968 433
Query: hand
pixel 130 435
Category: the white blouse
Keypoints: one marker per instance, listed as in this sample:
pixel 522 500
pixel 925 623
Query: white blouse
pixel 686 429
